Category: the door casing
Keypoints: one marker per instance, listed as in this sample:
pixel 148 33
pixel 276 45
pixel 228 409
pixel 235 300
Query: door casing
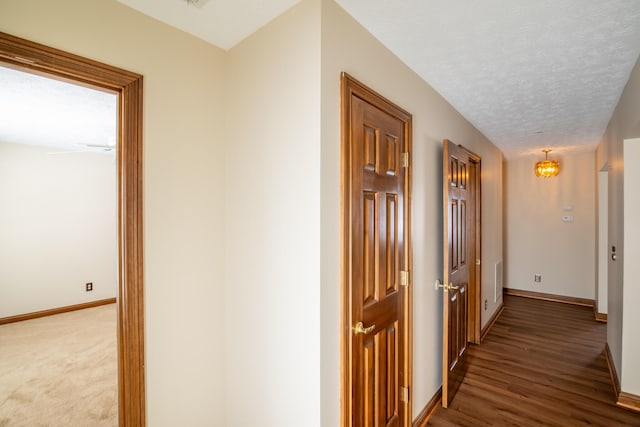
pixel 40 59
pixel 475 272
pixel 603 245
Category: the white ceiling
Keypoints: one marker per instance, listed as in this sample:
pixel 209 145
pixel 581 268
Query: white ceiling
pixel 515 68
pixel 40 111
pixel 223 23
pixel 529 74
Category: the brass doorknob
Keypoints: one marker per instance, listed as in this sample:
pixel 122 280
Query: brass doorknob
pixel 445 286
pixel 360 329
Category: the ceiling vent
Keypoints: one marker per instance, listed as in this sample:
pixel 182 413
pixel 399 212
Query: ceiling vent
pixel 196 3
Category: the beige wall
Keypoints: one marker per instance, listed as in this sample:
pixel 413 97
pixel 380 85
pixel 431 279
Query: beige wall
pixel 346 46
pixel 183 195
pixel 624 124
pixel 631 274
pixel 538 241
pixel 273 224
pixel 242 204
pixel 58 228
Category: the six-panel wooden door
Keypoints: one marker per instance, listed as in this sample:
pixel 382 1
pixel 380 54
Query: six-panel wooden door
pixel 377 146
pixel 458 219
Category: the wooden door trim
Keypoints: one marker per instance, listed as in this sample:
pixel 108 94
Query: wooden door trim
pixel 476 189
pixel 351 86
pixel 23 54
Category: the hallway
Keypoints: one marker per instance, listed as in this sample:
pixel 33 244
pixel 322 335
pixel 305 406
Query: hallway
pixel 542 364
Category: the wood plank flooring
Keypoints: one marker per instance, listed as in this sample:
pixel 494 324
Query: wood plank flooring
pixel 542 364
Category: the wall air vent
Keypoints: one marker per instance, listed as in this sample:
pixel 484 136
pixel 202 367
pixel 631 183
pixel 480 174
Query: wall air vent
pixel 196 3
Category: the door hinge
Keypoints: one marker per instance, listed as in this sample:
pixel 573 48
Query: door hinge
pixel 404 394
pixel 404 159
pixel 404 278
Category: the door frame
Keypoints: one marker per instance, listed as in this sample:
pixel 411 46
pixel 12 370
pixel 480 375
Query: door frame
pixel 40 59
pixel 350 86
pixel 602 284
pixel 475 278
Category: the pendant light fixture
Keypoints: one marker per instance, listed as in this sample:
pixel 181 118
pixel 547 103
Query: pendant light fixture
pixel 547 168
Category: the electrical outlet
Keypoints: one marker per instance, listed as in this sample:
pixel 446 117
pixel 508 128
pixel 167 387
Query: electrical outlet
pixel 485 305
pixel 537 278
pixel 88 286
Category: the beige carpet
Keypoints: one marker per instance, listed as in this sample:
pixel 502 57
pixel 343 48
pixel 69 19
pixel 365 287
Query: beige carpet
pixel 60 370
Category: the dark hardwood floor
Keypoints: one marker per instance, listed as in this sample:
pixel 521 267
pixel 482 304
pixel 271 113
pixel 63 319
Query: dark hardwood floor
pixel 542 364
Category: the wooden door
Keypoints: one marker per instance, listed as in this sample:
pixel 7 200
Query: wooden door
pixel 457 221
pixel 376 259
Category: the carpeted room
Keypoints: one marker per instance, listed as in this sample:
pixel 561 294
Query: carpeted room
pixel 58 228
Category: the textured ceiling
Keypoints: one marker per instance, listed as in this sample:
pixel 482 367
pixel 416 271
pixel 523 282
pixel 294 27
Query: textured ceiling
pixel 223 23
pixel 528 74
pixel 36 110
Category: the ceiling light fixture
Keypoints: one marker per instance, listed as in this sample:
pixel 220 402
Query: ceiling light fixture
pixel 547 168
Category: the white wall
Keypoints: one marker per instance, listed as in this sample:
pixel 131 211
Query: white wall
pixel 272 224
pixel 183 190
pixel 624 124
pixel 58 228
pixel 631 274
pixel 347 46
pixel 538 241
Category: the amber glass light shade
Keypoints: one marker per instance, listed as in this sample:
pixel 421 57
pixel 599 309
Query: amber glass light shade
pixel 547 168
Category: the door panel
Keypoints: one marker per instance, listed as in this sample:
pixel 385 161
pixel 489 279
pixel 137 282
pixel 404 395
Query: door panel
pixel 376 208
pixel 456 200
pixel 375 148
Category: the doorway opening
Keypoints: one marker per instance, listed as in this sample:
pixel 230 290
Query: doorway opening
pixel 39 59
pixel 602 289
pixel 58 251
